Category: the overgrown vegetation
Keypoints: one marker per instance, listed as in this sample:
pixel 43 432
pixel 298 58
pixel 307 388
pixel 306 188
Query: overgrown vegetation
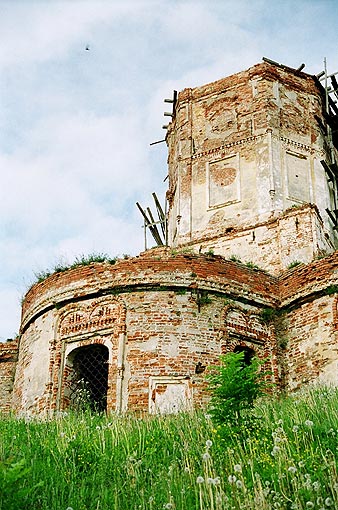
pixel 82 260
pixel 295 263
pixel 235 385
pixel 202 298
pixel 331 289
pixel 234 258
pixel 277 317
pixel 183 462
pixel 251 265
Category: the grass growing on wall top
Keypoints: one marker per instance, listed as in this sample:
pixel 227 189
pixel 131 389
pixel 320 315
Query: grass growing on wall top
pixel 183 462
pixel 81 260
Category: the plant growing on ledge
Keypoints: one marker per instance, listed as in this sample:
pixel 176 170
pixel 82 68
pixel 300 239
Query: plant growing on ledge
pixel 202 298
pixel 295 263
pixel 251 265
pixel 331 289
pixel 81 260
pixel 268 315
pixel 278 319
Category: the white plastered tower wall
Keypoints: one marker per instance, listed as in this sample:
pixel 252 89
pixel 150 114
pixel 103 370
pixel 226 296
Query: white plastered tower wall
pixel 245 172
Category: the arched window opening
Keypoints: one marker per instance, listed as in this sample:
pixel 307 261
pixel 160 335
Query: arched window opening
pixel 87 378
pixel 248 353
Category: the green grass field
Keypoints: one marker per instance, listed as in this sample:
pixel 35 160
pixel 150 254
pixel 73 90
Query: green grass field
pixel 285 459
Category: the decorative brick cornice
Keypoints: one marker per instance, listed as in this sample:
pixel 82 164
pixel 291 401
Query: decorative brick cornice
pixel 288 142
pixel 227 146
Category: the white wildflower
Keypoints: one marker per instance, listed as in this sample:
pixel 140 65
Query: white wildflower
pixel 308 423
pixel 237 468
pixel 239 484
pixel 206 456
pixel 292 469
pixel 309 504
pixel 275 450
pixel 232 478
pixel 328 502
pixel 199 479
pixel 208 443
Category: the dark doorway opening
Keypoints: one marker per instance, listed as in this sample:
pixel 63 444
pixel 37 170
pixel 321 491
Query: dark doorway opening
pixel 88 377
pixel 248 353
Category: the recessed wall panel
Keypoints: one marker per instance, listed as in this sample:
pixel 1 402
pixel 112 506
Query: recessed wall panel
pixel 298 177
pixel 223 181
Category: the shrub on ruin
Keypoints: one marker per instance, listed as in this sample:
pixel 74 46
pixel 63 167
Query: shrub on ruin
pixel 234 387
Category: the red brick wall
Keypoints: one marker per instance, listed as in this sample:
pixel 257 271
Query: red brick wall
pixel 170 318
pixel 8 359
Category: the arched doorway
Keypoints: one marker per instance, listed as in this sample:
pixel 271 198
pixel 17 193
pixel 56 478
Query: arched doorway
pixel 87 378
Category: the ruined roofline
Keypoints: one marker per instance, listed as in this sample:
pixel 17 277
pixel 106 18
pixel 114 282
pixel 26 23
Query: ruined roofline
pixel 267 68
pixel 160 268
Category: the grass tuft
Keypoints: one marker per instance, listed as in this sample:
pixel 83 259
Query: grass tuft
pixel 81 260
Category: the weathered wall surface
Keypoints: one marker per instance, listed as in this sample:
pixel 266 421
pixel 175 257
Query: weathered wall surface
pixel 8 359
pixel 242 151
pixel 312 354
pixel 298 234
pixel 245 181
pixel 309 297
pixel 163 319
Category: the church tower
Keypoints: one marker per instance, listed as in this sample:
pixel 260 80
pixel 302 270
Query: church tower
pixel 252 173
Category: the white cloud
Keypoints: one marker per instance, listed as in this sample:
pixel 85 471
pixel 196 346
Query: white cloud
pixel 76 125
pixel 10 312
pixel 35 31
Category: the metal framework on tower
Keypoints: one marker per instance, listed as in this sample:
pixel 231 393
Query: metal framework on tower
pixel 329 84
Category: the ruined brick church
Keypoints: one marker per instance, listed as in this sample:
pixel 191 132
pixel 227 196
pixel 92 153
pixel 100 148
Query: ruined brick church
pixel 250 262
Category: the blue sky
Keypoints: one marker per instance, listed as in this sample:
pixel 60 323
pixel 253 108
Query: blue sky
pixel 76 125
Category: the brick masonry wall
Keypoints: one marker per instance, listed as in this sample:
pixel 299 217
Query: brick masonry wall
pixel 242 151
pixel 244 175
pixel 309 297
pixel 8 359
pixel 313 348
pixel 165 318
pixel 297 233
